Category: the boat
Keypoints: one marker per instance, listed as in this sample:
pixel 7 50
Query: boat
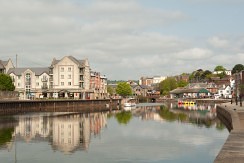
pixel 130 102
pixel 186 103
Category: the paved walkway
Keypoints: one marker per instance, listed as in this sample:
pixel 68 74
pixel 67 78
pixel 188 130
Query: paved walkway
pixel 233 149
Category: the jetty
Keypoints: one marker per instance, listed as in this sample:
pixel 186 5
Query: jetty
pixel 232 116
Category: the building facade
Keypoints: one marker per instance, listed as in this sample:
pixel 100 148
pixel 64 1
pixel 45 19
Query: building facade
pixel 31 83
pixel 65 78
pixel 98 83
pixel 70 78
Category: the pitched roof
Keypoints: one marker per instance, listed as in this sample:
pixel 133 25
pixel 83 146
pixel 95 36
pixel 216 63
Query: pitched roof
pixel 191 90
pixel 37 70
pixel 78 62
pixel 3 63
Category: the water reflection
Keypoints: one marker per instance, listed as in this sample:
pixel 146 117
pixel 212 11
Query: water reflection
pixel 73 132
pixel 123 117
pixel 200 115
pixel 66 133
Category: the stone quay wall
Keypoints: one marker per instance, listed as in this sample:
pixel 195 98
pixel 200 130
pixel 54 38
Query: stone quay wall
pixel 225 116
pixel 15 107
pixel 9 95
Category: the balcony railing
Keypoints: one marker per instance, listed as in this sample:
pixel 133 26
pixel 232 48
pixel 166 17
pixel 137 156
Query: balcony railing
pixel 44 87
pixel 44 80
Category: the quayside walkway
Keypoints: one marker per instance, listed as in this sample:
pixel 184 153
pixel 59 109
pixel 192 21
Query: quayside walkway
pixel 233 149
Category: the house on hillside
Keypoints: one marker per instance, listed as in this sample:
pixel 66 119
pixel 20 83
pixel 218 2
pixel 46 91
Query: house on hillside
pixel 225 92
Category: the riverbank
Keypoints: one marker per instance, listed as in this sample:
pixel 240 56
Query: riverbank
pixel 23 106
pixel 232 116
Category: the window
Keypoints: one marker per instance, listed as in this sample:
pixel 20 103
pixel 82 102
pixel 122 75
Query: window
pixel 81 77
pixel 69 76
pixel 62 76
pixel 69 83
pixel 37 84
pixel 62 69
pixel 18 84
pixel 62 83
pixel 69 69
pixel 19 77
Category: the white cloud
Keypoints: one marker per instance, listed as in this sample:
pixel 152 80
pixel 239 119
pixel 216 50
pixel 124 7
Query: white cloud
pixel 218 42
pixel 123 34
pixel 194 54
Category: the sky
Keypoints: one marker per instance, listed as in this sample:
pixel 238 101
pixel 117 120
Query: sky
pixel 125 39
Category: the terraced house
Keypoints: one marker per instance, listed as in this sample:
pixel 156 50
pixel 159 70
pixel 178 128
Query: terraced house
pixel 65 78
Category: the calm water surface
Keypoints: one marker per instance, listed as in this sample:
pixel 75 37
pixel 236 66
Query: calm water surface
pixel 147 134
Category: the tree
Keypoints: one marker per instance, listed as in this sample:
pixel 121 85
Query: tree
pixel 167 85
pixel 123 89
pixel 237 68
pixel 6 83
pixel 182 83
pixel 206 74
pixel 219 68
pixel 110 90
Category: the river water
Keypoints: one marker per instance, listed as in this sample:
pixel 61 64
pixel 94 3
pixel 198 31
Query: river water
pixel 149 133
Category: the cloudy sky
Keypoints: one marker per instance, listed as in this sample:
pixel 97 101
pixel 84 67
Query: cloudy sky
pixel 125 39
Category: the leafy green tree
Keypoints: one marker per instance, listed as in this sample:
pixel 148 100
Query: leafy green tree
pixel 182 83
pixel 110 90
pixel 237 68
pixel 222 74
pixel 167 85
pixel 123 89
pixel 6 83
pixel 219 68
pixel 206 74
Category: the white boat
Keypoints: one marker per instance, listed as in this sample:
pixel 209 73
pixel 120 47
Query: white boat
pixel 129 108
pixel 131 102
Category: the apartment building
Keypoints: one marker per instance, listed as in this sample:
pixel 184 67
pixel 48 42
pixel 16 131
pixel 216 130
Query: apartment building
pixel 65 78
pixel 31 83
pixel 98 83
pixel 70 78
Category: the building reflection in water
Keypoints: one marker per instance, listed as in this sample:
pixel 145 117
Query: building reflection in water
pixel 73 131
pixel 66 133
pixel 200 115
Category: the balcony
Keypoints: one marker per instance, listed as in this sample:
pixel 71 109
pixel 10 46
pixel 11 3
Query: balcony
pixel 44 87
pixel 44 80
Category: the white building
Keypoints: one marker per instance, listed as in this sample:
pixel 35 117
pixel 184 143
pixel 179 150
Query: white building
pixel 225 92
pixel 31 83
pixel 158 79
pixel 70 77
pixel 65 78
pixel 227 72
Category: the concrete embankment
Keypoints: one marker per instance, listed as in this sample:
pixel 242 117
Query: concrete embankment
pixel 15 107
pixel 233 117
